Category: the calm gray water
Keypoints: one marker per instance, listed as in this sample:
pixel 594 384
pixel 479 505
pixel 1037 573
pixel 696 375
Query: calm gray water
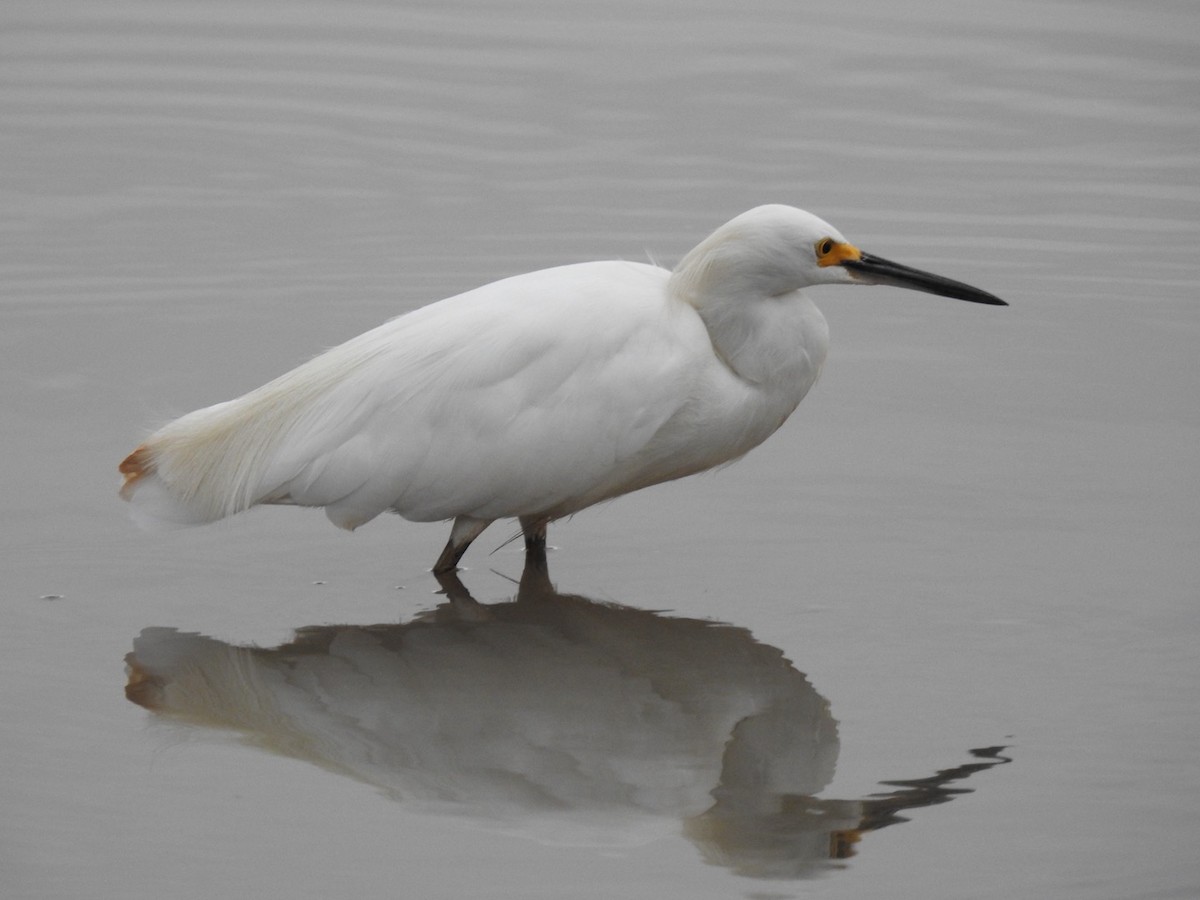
pixel 979 531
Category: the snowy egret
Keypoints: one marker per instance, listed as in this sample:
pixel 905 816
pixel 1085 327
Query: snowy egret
pixel 532 397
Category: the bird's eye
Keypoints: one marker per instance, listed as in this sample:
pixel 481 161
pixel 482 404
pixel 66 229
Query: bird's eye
pixel 824 246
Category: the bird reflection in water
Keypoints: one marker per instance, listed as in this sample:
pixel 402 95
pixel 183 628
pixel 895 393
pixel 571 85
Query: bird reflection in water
pixel 553 716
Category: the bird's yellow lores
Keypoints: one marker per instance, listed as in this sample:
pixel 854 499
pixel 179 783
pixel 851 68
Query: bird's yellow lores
pixel 532 397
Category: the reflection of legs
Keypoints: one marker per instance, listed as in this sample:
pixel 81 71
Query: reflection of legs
pixel 465 530
pixel 535 577
pixel 459 602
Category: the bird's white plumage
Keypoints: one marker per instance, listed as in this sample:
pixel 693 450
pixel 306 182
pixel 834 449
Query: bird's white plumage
pixel 534 396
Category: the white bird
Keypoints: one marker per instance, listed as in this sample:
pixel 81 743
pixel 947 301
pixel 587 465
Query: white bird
pixel 532 397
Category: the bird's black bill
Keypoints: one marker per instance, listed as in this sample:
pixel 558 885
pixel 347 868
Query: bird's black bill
pixel 876 270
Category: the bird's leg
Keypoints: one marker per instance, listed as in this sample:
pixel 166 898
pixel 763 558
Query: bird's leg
pixel 535 577
pixel 465 530
pixel 535 542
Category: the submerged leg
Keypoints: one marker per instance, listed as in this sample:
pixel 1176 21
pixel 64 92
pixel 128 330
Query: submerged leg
pixel 535 542
pixel 465 530
pixel 535 577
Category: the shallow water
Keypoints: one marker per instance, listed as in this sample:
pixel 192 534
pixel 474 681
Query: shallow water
pixel 978 531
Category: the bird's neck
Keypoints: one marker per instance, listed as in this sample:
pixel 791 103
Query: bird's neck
pixel 778 343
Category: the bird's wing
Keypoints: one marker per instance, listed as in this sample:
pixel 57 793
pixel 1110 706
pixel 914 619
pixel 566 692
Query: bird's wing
pixel 507 400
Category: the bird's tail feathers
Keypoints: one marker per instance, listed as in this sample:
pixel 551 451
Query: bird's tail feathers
pixel 205 466
pixel 152 502
pixel 223 459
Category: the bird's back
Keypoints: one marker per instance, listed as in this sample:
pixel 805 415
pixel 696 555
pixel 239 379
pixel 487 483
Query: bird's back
pixel 511 399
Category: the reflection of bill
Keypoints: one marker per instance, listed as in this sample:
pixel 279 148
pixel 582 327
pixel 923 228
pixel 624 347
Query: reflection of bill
pixel 794 837
pixel 552 716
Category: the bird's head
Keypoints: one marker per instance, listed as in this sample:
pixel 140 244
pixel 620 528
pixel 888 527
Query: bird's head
pixel 774 250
